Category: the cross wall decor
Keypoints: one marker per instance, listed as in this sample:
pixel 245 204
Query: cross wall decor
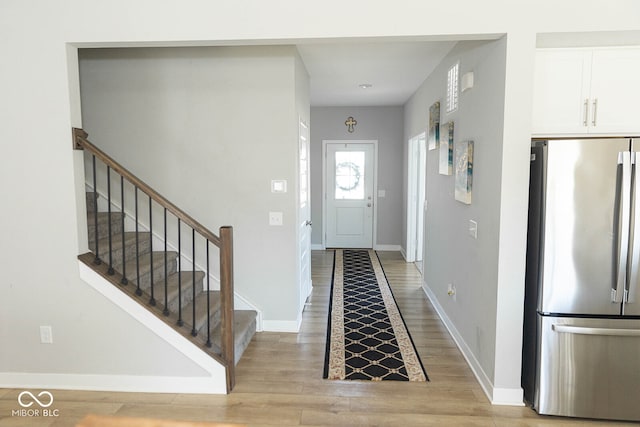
pixel 350 123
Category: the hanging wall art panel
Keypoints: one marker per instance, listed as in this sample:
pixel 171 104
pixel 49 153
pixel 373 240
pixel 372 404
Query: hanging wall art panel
pixel 464 171
pixel 434 126
pixel 446 149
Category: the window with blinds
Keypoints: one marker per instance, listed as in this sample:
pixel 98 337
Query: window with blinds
pixel 452 88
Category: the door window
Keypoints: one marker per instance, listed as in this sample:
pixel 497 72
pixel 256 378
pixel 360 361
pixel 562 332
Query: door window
pixel 350 171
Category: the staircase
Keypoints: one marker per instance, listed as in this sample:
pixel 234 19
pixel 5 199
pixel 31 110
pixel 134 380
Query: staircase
pixel 175 291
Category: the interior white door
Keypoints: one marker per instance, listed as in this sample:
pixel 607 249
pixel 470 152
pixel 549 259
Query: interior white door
pixel 349 194
pixel 421 176
pixel 416 180
pixel 304 230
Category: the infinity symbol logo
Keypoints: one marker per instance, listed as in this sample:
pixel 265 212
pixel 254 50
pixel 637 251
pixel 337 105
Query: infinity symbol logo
pixel 28 404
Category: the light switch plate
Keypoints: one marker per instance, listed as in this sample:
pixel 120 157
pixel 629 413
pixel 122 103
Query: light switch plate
pixel 46 335
pixel 278 185
pixel 473 229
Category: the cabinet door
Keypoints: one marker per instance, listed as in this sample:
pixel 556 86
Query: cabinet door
pixel 561 89
pixel 615 91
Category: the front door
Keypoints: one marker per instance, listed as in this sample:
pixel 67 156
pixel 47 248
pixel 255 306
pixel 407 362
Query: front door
pixel 349 194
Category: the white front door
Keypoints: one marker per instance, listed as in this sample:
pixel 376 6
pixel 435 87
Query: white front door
pixel 304 230
pixel 349 194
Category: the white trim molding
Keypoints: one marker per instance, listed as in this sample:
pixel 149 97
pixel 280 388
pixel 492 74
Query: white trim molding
pixel 116 383
pixel 282 325
pixel 396 248
pixel 497 396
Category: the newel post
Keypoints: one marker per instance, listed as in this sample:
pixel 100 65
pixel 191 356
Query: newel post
pixel 227 294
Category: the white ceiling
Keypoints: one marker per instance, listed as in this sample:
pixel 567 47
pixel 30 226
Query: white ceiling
pixel 395 69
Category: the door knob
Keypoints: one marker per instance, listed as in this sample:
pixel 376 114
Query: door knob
pixel 368 205
pixel 309 222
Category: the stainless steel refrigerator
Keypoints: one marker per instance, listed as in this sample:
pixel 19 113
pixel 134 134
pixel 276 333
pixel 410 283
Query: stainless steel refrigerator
pixel 581 351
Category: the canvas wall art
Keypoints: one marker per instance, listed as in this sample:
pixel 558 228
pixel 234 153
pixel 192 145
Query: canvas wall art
pixel 464 171
pixel 434 126
pixel 446 149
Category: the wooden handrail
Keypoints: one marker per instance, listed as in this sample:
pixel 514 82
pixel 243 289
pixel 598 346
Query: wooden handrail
pixel 81 142
pixel 224 242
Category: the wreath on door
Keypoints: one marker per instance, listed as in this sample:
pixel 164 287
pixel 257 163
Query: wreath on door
pixel 347 169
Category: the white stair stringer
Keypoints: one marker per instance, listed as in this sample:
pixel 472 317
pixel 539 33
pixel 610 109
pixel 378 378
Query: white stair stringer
pixel 214 382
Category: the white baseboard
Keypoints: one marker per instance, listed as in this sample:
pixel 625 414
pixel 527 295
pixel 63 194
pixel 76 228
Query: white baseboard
pixel 117 383
pixel 497 396
pixel 508 396
pixel 321 247
pixel 282 325
pixel 388 248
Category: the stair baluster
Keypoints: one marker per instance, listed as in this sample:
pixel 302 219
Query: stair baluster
pixel 97 260
pixel 124 279
pixel 138 290
pixel 180 321
pixel 166 311
pixel 111 270
pixel 209 344
pixel 152 300
pixel 194 332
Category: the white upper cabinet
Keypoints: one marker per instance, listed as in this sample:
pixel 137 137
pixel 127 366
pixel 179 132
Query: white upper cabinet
pixel 587 91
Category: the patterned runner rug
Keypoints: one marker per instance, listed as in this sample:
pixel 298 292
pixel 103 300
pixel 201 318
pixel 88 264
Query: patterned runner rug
pixel 367 338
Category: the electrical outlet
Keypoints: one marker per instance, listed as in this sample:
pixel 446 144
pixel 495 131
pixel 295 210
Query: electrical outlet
pixel 275 218
pixel 46 335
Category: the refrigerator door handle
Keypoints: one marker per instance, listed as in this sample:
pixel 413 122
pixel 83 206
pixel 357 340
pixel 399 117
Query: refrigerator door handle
pixel 595 331
pixel 634 255
pixel 621 238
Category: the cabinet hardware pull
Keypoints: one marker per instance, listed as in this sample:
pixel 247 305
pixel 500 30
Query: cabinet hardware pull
pixel 586 112
pixel 595 112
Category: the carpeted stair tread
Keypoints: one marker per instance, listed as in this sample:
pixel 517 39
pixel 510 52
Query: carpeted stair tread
pixel 158 268
pixel 103 225
pixel 201 311
pixel 144 246
pixel 186 279
pixel 90 197
pixel 244 327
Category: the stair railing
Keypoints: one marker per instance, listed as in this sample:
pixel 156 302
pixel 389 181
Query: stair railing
pixel 224 242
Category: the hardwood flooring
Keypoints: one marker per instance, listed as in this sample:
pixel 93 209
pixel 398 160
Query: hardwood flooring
pixel 279 379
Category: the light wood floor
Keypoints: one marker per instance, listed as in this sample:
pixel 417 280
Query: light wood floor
pixel 279 379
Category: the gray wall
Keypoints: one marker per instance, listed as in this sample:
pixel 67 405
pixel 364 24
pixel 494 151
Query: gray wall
pixel 451 255
pixel 209 128
pixel 381 123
